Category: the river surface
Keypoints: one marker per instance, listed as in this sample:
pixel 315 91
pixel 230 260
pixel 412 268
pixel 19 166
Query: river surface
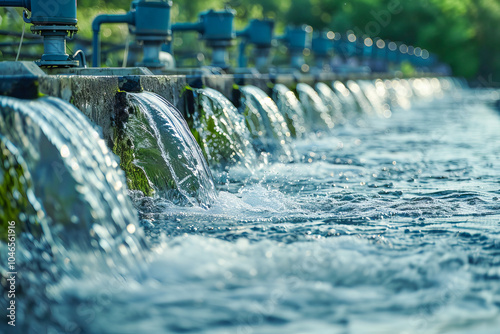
pixel 390 225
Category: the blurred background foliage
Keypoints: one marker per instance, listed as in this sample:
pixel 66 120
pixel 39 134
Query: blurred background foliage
pixel 463 33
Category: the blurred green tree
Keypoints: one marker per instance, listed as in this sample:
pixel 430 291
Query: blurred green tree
pixel 461 32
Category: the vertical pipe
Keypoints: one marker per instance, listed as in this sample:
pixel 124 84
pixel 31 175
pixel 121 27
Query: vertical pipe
pixel 96 50
pixel 242 59
pixel 96 27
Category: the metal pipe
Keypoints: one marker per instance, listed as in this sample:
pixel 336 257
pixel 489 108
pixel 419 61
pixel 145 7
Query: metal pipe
pixel 16 3
pixel 198 26
pixel 54 45
pixel 220 56
pixel 242 33
pixel 262 58
pixel 242 59
pixel 296 59
pixel 96 26
pixel 53 25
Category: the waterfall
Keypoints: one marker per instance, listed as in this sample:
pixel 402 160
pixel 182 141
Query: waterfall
pixel 221 130
pixel 345 95
pixel 267 123
pixel 375 97
pixel 318 114
pixel 398 94
pixel 165 149
pixel 18 199
pixel 332 101
pixel 360 97
pixel 61 184
pixel 291 109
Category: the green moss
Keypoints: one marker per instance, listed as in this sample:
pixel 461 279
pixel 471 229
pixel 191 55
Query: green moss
pixel 136 143
pixel 185 89
pixel 136 177
pixel 199 140
pixel 123 147
pixel 15 183
pixel 39 93
pixel 407 69
pixel 215 141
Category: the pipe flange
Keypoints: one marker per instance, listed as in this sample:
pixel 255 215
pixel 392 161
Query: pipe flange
pixel 214 43
pixel 57 63
pixel 54 29
pixel 153 38
pixel 153 65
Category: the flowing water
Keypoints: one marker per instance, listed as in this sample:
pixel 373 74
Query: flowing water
pixel 81 186
pixel 318 114
pixel 387 225
pixel 272 129
pixel 221 130
pixel 359 96
pixel 346 96
pixel 69 195
pixel 166 150
pixel 331 101
pixel 291 109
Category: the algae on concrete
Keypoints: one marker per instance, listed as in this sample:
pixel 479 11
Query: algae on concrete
pixel 16 189
pixel 218 128
pixel 123 147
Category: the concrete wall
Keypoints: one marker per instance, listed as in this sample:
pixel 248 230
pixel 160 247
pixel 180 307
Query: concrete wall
pixel 93 91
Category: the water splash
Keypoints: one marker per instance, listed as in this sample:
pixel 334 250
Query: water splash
pixel 273 130
pixel 221 130
pixel 318 114
pixel 167 151
pixel 297 242
pixel 63 188
pixel 291 109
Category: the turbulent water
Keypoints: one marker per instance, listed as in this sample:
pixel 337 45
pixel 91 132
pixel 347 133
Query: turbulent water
pixel 388 225
pixel 61 184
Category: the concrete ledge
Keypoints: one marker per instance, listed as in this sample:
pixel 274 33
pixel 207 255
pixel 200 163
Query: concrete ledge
pixel 93 95
pixel 24 68
pixel 93 91
pixel 101 71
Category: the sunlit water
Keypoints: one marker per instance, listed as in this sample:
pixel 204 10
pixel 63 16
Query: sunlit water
pixel 391 225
